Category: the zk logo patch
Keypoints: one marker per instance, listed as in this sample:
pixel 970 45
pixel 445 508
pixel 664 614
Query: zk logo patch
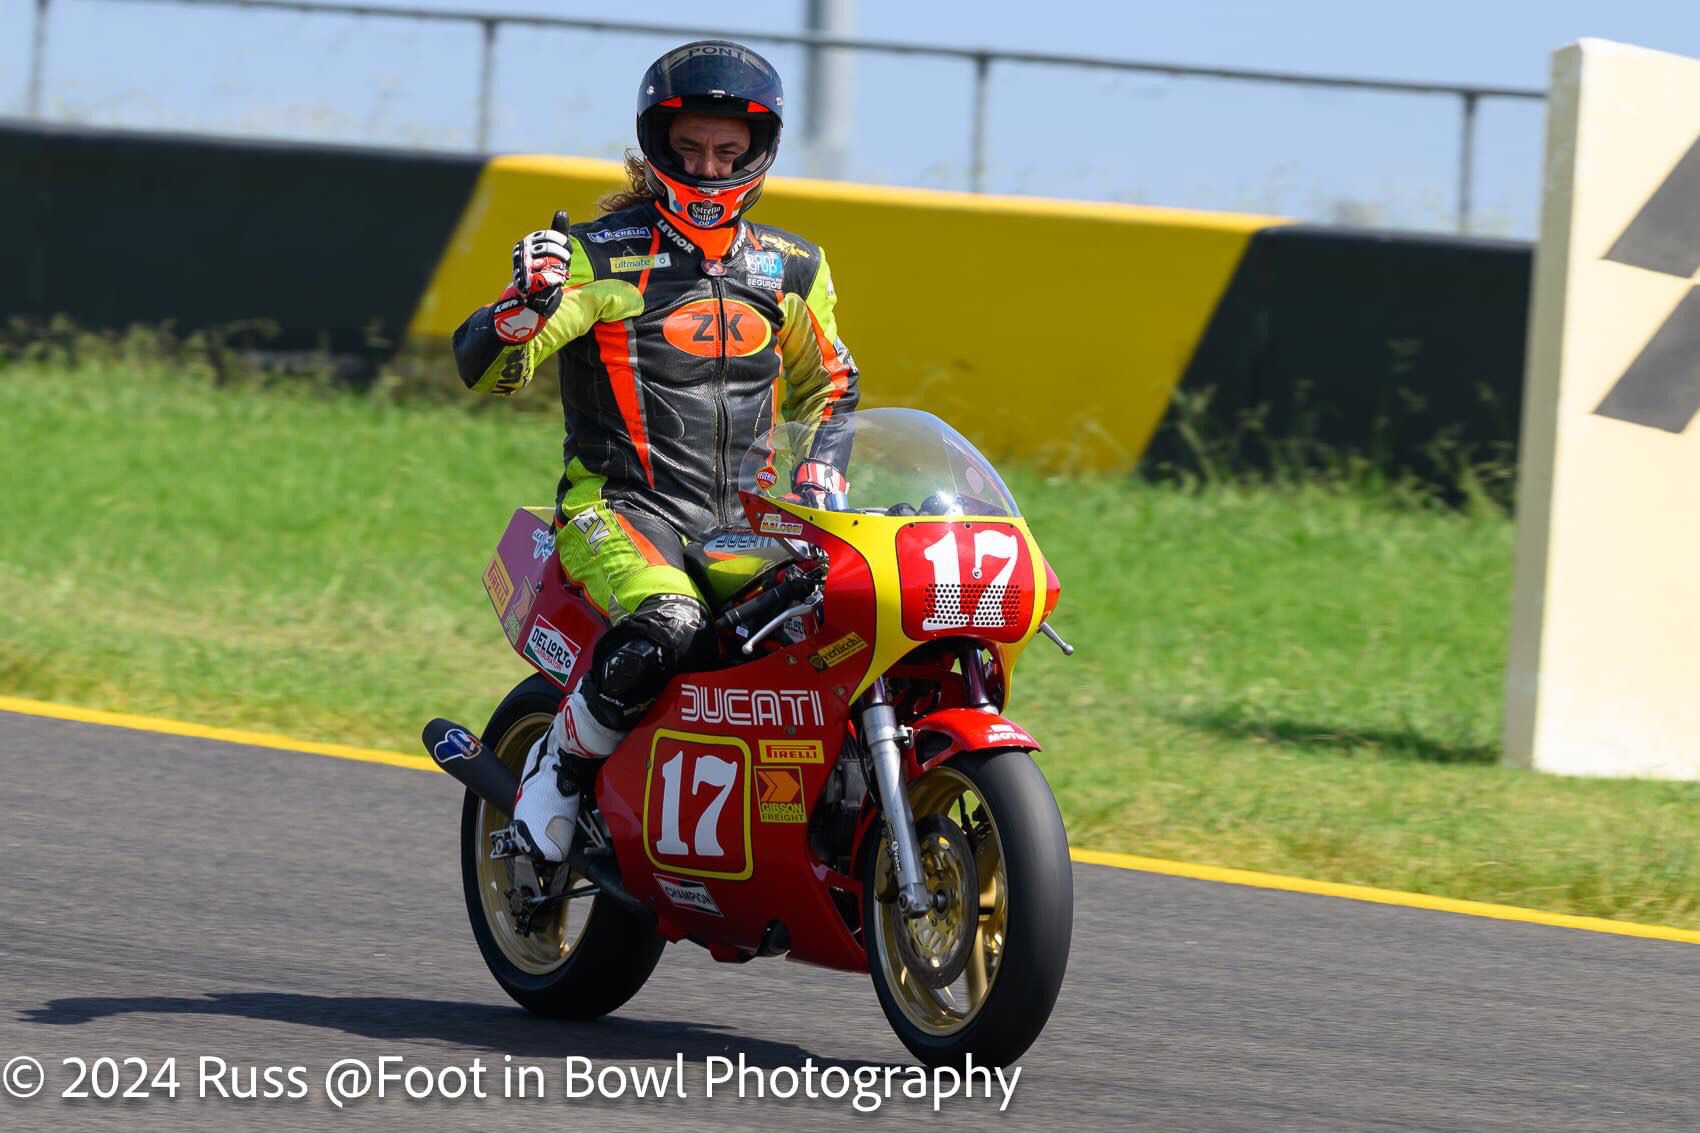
pixel 702 328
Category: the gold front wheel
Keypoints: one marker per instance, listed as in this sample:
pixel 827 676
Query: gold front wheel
pixel 979 971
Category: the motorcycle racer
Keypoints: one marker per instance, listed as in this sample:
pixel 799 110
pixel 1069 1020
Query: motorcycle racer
pixel 684 333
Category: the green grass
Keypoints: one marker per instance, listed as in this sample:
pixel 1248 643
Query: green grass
pixel 1300 678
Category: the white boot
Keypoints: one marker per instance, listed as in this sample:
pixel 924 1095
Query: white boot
pixel 546 807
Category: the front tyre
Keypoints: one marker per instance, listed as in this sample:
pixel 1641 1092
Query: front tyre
pixel 997 806
pixel 589 955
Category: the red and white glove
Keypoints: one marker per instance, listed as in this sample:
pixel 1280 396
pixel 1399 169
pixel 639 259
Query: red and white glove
pixel 817 483
pixel 542 262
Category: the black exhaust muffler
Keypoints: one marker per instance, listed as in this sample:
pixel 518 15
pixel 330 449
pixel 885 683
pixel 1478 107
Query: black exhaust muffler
pixel 456 750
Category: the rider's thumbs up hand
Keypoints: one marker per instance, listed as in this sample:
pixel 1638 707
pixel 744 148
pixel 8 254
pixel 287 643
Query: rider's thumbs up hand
pixel 542 262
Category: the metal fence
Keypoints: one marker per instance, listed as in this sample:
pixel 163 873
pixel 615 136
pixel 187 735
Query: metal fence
pixel 982 59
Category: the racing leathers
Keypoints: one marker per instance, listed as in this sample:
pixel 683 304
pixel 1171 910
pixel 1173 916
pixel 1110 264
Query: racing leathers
pixel 679 348
pixel 674 361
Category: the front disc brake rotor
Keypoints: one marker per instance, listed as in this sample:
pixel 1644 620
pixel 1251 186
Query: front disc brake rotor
pixel 935 946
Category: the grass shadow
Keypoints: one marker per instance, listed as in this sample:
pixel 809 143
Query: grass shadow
pixel 1388 743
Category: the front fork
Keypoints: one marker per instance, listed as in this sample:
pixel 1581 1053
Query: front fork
pixel 880 733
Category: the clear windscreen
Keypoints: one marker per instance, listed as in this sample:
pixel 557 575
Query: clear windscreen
pixel 897 462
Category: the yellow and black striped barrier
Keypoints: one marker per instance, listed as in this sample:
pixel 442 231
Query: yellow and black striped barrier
pixel 1056 332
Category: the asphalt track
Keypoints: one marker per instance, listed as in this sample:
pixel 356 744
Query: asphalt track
pixel 170 897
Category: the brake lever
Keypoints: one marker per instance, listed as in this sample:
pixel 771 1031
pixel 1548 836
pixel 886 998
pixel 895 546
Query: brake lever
pixel 748 648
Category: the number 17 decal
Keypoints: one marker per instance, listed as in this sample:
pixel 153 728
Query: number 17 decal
pixel 696 805
pixel 965 576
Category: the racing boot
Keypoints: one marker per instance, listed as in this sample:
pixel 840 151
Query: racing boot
pixel 546 807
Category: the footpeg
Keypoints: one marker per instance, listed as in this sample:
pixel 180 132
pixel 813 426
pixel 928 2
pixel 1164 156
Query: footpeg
pixel 505 843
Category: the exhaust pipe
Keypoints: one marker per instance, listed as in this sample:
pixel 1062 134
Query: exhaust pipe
pixel 456 750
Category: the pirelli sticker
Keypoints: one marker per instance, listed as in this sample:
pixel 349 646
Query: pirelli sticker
pixel 779 795
pixel 838 652
pixel 498 585
pixel 792 751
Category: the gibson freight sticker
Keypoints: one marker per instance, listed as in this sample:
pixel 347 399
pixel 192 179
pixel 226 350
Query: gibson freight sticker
pixel 792 751
pixel 779 795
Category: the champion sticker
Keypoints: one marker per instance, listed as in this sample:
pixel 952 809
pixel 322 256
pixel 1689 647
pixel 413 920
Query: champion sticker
pixel 688 895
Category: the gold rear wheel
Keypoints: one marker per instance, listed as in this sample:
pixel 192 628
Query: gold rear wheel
pixel 584 957
pixel 552 934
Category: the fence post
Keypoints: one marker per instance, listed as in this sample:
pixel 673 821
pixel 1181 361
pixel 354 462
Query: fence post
pixel 38 59
pixel 1467 160
pixel 977 153
pixel 486 78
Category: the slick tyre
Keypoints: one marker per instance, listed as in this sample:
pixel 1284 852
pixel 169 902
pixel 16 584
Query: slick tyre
pixel 1018 925
pixel 581 963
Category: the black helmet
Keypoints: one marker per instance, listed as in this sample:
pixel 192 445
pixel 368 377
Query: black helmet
pixel 710 76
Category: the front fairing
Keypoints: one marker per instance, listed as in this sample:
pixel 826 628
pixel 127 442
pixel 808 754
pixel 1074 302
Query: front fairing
pixel 959 561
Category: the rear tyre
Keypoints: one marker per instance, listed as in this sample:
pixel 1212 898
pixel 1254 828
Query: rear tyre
pixel 590 955
pixel 1019 924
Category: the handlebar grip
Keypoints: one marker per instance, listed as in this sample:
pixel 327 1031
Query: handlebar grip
pixel 758 611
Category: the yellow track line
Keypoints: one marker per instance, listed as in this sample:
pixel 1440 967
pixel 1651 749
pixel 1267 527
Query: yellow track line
pixel 204 732
pixel 1221 874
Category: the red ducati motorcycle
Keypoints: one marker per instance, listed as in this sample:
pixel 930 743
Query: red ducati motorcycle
pixel 842 789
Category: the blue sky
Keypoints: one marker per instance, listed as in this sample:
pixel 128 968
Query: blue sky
pixel 1195 143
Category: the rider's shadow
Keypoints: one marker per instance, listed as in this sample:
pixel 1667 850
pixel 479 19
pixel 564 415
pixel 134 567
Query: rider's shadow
pixel 502 1030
